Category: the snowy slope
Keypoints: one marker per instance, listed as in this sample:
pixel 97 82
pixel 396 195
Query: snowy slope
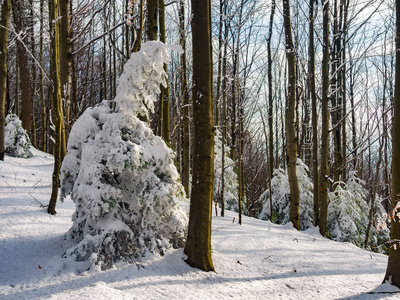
pixel 257 260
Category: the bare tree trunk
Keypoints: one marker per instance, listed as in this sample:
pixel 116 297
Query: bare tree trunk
pixel 311 72
pixel 27 103
pixel 186 103
pixel 138 40
pixel 291 141
pixel 57 102
pixel 4 22
pixel 324 184
pixel 270 104
pixel 393 267
pixel 198 245
pixel 224 113
pixel 164 97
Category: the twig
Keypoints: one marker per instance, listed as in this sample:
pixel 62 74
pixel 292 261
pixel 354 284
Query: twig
pixel 36 200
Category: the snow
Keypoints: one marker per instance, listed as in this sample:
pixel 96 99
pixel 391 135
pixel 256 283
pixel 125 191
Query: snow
pixel 258 260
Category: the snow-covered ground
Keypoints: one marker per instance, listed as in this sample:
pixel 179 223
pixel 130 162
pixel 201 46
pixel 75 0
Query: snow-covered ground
pixel 257 260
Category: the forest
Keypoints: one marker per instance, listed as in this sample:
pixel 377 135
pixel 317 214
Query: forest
pixel 284 111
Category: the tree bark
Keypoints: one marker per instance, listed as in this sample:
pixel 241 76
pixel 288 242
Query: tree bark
pixel 24 72
pixel 311 72
pixel 291 141
pixel 4 22
pixel 393 267
pixel 164 97
pixel 270 105
pixel 57 102
pixel 324 170
pixel 198 245
pixel 186 102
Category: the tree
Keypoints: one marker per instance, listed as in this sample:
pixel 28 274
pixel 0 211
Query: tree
pixel 164 97
pixel 198 245
pixel 393 267
pixel 291 143
pixel 311 75
pixel 22 53
pixel 5 14
pixel 185 96
pixel 324 169
pixel 58 117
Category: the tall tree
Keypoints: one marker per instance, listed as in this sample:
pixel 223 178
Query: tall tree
pixel 324 169
pixel 198 245
pixel 291 137
pixel 185 96
pixel 19 18
pixel 393 267
pixel 164 97
pixel 311 74
pixel 58 117
pixel 5 14
pixel 270 104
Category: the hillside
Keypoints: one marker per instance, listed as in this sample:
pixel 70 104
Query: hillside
pixel 257 260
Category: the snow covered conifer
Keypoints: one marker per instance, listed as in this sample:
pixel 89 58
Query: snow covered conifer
pixel 120 175
pixel 281 194
pixel 16 140
pixel 231 178
pixel 348 215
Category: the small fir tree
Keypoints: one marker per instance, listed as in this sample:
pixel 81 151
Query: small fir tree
pixel 231 178
pixel 121 176
pixel 281 195
pixel 16 141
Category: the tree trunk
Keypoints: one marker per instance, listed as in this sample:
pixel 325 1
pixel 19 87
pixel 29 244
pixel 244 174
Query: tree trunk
pixel 291 138
pixel 311 72
pixel 5 14
pixel 186 103
pixel 324 184
pixel 393 267
pixel 57 102
pixel 270 105
pixel 198 245
pixel 164 97
pixel 24 72
pixel 224 113
pixel 138 40
pixel 152 18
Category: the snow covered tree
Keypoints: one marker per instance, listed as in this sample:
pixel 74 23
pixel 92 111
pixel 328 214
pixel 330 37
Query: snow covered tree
pixel 120 175
pixel 230 177
pixel 348 215
pixel 16 140
pixel 281 198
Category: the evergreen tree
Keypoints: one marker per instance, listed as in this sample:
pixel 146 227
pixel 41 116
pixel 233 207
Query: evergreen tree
pixel 120 175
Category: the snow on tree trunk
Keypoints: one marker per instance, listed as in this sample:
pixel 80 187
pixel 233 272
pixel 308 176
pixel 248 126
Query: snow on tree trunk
pixel 120 175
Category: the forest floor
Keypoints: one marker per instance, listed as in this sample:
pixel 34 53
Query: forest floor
pixel 255 260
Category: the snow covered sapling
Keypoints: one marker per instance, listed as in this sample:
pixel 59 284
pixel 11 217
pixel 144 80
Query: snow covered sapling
pixel 281 194
pixel 230 176
pixel 348 215
pixel 16 140
pixel 121 176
